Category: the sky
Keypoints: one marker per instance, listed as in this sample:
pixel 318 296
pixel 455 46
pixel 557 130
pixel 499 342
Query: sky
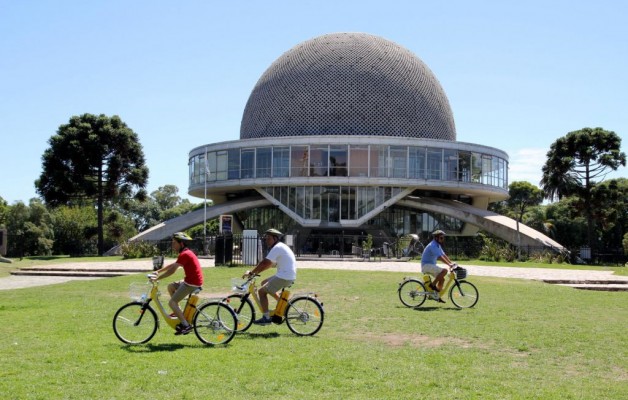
pixel 518 75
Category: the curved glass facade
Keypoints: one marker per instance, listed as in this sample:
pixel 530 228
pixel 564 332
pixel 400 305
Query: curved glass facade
pixel 359 160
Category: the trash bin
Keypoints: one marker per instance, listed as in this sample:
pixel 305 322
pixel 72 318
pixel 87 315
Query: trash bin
pixel 219 257
pixel 224 250
pixel 158 262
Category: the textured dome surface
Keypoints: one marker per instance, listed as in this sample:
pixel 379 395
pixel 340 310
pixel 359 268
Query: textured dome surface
pixel 348 84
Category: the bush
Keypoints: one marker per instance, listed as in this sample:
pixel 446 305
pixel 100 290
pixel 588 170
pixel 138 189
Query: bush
pixel 138 250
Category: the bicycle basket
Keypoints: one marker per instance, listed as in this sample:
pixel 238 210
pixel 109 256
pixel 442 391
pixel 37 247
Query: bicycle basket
pixel 239 285
pixel 461 273
pixel 138 291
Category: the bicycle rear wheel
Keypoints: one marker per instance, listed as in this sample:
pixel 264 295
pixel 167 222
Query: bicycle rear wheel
pixel 464 294
pixel 135 323
pixel 304 316
pixel 412 293
pixel 244 311
pixel 215 323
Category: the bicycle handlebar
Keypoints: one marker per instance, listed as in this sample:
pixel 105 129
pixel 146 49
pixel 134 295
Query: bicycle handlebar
pixel 250 277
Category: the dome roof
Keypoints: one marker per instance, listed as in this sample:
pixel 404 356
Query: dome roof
pixel 348 84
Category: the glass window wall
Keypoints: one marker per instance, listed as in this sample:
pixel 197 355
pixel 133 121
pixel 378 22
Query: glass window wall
pixel 248 163
pixel 299 163
pixel 416 161
pixel 221 165
pixel 234 164
pixel 338 160
pixel 263 162
pixel 379 161
pixel 434 163
pixel 399 159
pixel 359 161
pixel 281 162
pixel 319 157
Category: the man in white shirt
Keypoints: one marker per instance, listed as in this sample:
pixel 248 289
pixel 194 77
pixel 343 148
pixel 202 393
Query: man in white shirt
pixel 282 256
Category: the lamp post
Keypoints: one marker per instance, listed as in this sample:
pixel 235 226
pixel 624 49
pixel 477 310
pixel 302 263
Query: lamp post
pixel 207 172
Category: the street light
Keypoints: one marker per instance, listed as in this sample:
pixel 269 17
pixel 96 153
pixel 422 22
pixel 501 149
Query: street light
pixel 207 172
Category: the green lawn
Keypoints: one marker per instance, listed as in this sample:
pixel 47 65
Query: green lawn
pixel 524 340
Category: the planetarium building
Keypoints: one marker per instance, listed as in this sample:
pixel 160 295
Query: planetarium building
pixel 345 135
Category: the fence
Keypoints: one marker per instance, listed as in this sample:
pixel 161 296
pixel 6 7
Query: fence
pixel 237 249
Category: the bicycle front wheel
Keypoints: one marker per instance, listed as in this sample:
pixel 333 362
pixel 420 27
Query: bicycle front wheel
pixel 215 323
pixel 304 316
pixel 412 293
pixel 244 311
pixel 464 294
pixel 135 323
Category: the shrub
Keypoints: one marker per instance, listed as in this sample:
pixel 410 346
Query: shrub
pixel 138 250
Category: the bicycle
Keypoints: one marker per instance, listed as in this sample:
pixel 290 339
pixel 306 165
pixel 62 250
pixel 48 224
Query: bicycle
pixel 463 294
pixel 303 313
pixel 136 322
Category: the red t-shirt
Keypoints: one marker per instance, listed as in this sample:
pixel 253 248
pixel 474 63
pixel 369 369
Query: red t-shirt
pixel 191 267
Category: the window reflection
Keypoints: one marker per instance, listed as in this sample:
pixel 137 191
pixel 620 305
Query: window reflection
pixel 299 161
pixel 338 161
pixel 318 160
pixel 359 165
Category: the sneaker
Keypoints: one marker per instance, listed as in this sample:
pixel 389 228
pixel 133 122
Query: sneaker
pixel 183 330
pixel 263 321
pixel 441 300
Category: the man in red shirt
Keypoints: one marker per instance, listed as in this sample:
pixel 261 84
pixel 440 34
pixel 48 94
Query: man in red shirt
pixel 193 278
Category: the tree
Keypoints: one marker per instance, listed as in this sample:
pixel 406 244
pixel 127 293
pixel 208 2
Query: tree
pixel 4 209
pixel 522 196
pixel 569 225
pixel 162 204
pixel 31 229
pixel 93 160
pixel 609 207
pixel 576 162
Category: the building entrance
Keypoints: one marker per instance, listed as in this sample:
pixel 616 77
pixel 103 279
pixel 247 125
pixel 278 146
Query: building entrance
pixel 330 243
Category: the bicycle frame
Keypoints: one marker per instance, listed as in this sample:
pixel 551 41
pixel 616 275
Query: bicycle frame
pixel 154 296
pixel 451 279
pixel 252 292
pixel 303 312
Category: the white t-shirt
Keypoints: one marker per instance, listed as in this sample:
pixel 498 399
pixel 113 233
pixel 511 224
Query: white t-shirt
pixel 283 257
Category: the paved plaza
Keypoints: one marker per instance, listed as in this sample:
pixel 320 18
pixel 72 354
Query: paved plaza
pixel 541 274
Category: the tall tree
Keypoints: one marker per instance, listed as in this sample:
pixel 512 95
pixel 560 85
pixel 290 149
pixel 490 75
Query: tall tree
pixel 92 160
pixel 579 160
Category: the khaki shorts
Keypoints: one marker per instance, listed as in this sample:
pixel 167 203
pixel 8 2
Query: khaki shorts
pixel 274 284
pixel 182 289
pixel 431 269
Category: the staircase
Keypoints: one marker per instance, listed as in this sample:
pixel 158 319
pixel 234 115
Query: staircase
pixel 607 285
pixel 77 272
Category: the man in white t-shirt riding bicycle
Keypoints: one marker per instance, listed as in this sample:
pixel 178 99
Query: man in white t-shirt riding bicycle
pixel 282 256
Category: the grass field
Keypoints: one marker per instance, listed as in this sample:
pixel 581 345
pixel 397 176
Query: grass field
pixel 524 340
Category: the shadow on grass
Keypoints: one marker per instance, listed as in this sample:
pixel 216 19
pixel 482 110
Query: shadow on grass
pixel 150 348
pixel 432 308
pixel 253 336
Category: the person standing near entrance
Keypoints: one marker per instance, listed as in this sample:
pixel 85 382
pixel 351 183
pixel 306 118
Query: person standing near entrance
pixel 281 255
pixel 433 252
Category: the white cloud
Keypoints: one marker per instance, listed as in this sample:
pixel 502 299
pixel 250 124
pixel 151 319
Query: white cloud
pixel 526 164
